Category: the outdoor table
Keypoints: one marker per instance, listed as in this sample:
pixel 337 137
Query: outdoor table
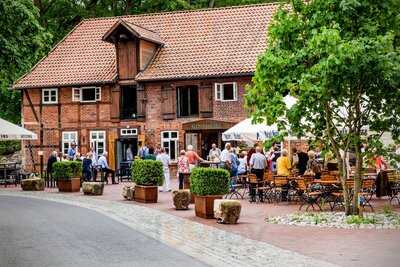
pixel 211 164
pixel 7 167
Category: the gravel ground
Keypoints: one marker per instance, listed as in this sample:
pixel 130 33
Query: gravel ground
pixel 339 220
pixel 208 244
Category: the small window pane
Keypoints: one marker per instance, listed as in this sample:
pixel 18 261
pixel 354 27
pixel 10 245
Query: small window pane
pixel 174 134
pixel 229 92
pixel 172 151
pixel 165 134
pixel 88 94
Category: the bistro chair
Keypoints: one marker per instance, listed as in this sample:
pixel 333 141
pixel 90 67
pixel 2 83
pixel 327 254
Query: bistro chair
pixel 308 198
pixel 279 184
pixel 394 181
pixel 257 187
pixel 367 191
pixel 338 197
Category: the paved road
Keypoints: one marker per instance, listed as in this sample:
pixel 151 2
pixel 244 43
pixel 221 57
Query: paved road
pixel 44 233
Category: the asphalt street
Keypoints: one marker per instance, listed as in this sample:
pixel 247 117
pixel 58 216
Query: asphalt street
pixel 44 233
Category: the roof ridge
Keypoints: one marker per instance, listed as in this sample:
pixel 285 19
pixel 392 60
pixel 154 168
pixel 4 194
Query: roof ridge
pixel 207 9
pixel 137 25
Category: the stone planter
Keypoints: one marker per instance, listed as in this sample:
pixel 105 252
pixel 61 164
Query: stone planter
pixel 204 206
pixel 128 192
pixel 32 184
pixel 146 194
pixel 227 210
pixel 93 188
pixel 72 185
pixel 181 199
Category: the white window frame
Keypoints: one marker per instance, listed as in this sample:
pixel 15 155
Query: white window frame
pixel 219 92
pixel 50 90
pixel 94 141
pixel 169 139
pixel 69 140
pixel 77 94
pixel 128 131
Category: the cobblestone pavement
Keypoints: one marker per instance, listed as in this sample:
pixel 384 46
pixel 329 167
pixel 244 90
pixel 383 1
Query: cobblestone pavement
pixel 208 244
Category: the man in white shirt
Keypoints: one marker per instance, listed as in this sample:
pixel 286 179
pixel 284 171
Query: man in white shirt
pixel 258 163
pixel 214 153
pixel 129 154
pixel 105 168
pixel 164 158
pixel 226 156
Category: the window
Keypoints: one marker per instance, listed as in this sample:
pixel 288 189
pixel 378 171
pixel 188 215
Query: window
pixel 187 101
pixel 86 94
pixel 98 141
pixel 128 102
pixel 50 96
pixel 169 141
pixel 67 139
pixel 129 131
pixel 226 91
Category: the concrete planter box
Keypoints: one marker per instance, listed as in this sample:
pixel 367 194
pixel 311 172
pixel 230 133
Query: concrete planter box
pixel 146 193
pixel 72 185
pixel 204 206
pixel 32 184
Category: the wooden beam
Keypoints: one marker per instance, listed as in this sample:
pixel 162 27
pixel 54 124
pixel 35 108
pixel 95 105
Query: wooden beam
pixel 31 105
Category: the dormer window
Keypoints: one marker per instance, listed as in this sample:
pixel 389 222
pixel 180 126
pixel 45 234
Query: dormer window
pixel 86 94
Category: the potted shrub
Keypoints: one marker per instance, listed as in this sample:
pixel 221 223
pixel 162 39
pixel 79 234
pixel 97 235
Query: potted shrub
pixel 67 174
pixel 208 184
pixel 147 176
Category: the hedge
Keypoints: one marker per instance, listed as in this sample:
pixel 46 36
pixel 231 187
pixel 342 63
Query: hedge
pixel 209 181
pixel 9 147
pixel 65 170
pixel 147 172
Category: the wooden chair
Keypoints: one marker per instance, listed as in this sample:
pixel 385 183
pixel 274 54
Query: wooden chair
pixel 394 181
pixel 367 191
pixel 257 184
pixel 308 198
pixel 278 184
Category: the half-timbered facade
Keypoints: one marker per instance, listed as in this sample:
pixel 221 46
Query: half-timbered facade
pixel 168 79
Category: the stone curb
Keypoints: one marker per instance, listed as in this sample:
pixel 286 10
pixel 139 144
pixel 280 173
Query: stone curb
pixel 205 243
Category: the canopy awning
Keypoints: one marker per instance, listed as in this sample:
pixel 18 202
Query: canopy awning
pixel 10 131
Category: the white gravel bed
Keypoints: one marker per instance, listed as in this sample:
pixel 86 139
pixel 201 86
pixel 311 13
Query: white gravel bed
pixel 389 220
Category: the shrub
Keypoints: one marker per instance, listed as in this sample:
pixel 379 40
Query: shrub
pixel 147 172
pixel 209 181
pixel 9 147
pixel 76 167
pixel 62 170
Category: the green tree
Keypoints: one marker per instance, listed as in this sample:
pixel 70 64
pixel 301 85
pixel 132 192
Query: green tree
pixel 22 42
pixel 341 60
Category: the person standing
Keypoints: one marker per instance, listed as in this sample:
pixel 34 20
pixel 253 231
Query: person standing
pixel 226 160
pixel 313 165
pixel 234 163
pixel 72 151
pixel 129 154
pixel 105 168
pixel 95 163
pixel 87 167
pixel 258 163
pixel 242 168
pixel 150 155
pixel 143 151
pixel 183 168
pixel 302 162
pixel 283 165
pixel 214 153
pixel 164 158
pixel 51 160
pixel 193 157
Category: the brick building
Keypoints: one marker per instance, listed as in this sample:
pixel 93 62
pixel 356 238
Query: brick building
pixel 168 79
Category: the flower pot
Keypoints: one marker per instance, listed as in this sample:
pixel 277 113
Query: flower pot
pixel 72 185
pixel 146 193
pixel 204 206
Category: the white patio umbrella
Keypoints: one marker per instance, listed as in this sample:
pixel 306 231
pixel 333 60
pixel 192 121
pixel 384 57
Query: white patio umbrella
pixel 10 131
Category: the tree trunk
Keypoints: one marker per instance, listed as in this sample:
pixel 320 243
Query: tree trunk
pixel 211 3
pixel 343 178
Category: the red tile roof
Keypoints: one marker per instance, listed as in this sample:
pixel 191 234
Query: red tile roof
pixel 199 43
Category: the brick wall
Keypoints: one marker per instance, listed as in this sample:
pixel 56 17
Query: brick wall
pixel 84 117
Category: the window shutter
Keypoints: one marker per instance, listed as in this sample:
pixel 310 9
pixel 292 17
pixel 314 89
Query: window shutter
pixel 115 98
pixel 235 91
pixel 76 94
pixel 168 99
pixel 218 91
pixel 205 100
pixel 141 102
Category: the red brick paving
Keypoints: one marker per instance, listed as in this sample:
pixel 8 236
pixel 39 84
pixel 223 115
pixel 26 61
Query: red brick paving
pixel 344 247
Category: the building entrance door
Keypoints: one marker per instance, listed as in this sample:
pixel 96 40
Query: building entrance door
pixel 122 147
pixel 207 139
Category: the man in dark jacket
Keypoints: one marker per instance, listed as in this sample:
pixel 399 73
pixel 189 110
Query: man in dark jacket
pixel 50 162
pixel 302 163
